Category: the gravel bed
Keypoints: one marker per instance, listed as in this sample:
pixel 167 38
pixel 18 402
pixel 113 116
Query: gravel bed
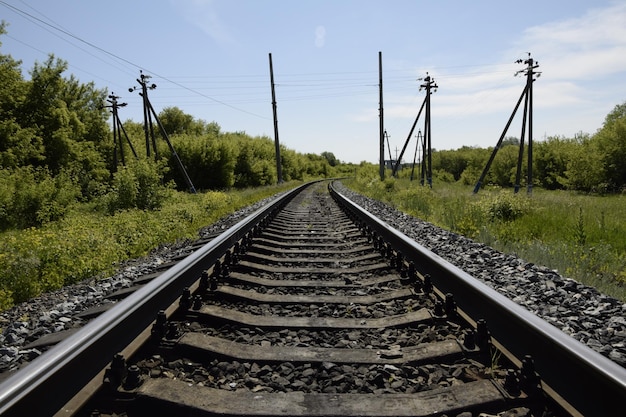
pixel 594 319
pixel 386 338
pixel 341 292
pixel 325 377
pixel 347 277
pixel 373 311
pixel 54 312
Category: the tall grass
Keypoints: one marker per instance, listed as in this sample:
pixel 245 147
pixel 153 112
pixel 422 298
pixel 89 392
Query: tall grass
pixel 581 236
pixel 89 243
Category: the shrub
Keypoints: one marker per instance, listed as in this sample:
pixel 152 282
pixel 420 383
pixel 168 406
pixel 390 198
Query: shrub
pixel 215 201
pixel 389 184
pixel 417 200
pixel 30 197
pixel 507 207
pixel 138 185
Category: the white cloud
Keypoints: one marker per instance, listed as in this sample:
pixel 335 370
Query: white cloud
pixel 592 45
pixel 203 14
pixel 572 53
pixel 320 36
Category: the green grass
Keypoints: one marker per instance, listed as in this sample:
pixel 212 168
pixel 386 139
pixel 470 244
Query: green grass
pixel 88 243
pixel 581 236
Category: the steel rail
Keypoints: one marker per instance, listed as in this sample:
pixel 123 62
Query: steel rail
pixel 589 382
pixel 52 379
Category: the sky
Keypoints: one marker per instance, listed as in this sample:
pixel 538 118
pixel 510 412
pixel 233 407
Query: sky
pixel 210 58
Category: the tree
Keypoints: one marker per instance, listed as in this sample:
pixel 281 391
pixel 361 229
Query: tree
pixel 330 157
pixel 18 146
pixel 503 167
pixel 551 159
pixel 618 112
pixel 453 162
pixel 584 169
pixel 175 121
pixel 209 161
pixel 611 146
pixel 11 83
pixel 255 162
pixel 62 112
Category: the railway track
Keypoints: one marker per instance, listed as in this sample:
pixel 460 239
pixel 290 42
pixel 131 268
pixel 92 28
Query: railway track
pixel 309 308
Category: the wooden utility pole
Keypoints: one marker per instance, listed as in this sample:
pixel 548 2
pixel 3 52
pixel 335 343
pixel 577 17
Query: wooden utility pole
pixel 147 117
pixel 148 113
pixel 417 145
pixel 118 130
pixel 527 96
pixel 388 146
pixel 429 84
pixel 430 87
pixel 279 171
pixel 381 117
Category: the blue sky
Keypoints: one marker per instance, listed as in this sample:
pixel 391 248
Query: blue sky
pixel 210 59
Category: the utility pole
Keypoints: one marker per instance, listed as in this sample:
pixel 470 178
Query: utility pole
pixel 118 129
pixel 279 171
pixel 530 73
pixel 388 146
pixel 149 112
pixel 147 118
pixel 381 117
pixel 429 84
pixel 527 96
pixel 418 138
pixel 430 87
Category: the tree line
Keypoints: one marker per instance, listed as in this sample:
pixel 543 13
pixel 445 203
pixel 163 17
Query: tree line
pixel 586 163
pixel 57 148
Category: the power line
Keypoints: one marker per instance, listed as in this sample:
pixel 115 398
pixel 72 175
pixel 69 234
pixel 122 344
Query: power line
pixel 59 29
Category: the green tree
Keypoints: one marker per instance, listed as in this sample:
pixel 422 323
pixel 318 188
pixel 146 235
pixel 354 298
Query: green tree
pixel 12 86
pixel 293 165
pixel 209 161
pixel 175 122
pixel 551 158
pixel 19 146
pixel 255 162
pixel 503 169
pixel 611 145
pixel 63 112
pixel 585 171
pixel 330 157
pixel 451 161
pixel 30 197
pixel 138 185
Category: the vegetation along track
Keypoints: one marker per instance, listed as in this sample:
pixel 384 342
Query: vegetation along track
pixel 315 310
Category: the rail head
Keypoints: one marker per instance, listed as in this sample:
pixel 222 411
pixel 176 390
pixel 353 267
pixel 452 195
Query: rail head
pixel 60 373
pixel 559 359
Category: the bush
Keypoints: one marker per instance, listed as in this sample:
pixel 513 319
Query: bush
pixel 215 201
pixel 138 185
pixel 417 200
pixel 507 207
pixel 389 184
pixel 30 197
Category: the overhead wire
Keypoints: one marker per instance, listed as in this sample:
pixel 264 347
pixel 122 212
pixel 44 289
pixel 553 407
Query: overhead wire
pixel 59 29
pixel 248 89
